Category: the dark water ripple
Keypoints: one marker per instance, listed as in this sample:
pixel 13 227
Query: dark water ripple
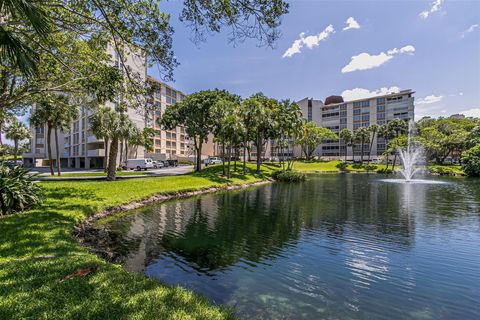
pixel 334 247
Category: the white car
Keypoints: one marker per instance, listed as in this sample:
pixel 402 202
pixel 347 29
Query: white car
pixel 139 164
pixel 214 160
pixel 158 164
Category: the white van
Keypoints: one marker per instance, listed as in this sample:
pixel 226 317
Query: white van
pixel 139 164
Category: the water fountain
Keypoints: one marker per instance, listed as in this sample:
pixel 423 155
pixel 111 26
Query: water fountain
pixel 411 157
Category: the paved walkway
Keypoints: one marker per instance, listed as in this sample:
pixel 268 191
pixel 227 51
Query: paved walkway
pixel 169 171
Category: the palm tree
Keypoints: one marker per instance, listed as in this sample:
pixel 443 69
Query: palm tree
pixel 373 129
pixel 17 132
pixel 14 41
pixel 57 113
pixel 347 137
pixel 99 124
pixel 362 136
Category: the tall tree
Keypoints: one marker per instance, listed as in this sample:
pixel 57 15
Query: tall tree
pixel 56 112
pixel 373 129
pixel 194 113
pixel 17 132
pixel 311 136
pixel 362 136
pixel 347 136
pixel 288 124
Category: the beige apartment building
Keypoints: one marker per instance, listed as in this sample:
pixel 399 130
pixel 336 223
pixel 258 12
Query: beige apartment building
pixel 167 144
pixel 337 114
pixel 79 147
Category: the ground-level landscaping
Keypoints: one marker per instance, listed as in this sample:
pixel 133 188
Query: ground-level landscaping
pixel 43 267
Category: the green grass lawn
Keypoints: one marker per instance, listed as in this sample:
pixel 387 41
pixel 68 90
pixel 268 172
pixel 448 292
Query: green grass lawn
pixel 327 166
pixel 457 169
pixel 94 174
pixel 37 251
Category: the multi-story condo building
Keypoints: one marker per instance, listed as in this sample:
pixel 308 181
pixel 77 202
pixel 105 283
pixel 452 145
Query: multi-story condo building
pixel 337 114
pixel 79 147
pixel 168 144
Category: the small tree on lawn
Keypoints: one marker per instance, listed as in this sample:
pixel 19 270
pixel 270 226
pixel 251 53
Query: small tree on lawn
pixel 311 136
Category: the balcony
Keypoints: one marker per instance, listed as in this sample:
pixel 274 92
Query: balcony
pixel 96 153
pixel 93 139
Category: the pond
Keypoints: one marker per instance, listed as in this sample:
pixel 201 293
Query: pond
pixel 334 247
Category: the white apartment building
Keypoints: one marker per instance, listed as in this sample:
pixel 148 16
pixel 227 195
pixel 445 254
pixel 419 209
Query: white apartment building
pixel 337 114
pixel 79 147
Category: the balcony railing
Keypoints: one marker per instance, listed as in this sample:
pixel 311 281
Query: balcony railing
pixel 96 153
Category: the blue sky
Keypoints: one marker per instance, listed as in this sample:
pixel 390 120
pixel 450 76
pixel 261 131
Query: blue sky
pixel 432 47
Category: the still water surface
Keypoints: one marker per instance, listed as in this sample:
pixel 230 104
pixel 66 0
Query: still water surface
pixel 334 247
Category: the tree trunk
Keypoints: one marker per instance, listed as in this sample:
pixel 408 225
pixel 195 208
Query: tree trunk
pixel 121 151
pixel 229 158
pixel 126 151
pixel 105 158
pixel 59 170
pixel 223 158
pixel 361 156
pixel 112 160
pixel 15 150
pixel 394 161
pixel 199 157
pixel 49 149
pixel 259 152
pixel 249 149
pixel 235 158
pixel 370 149
pixel 1 128
pixel 244 157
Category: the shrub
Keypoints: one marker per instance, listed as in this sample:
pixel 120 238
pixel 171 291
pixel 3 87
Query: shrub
pixel 471 161
pixel 17 189
pixel 357 165
pixel 371 167
pixel 384 171
pixel 443 171
pixel 342 166
pixel 288 176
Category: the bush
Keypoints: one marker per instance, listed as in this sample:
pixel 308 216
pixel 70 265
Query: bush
pixel 371 167
pixel 442 171
pixel 288 176
pixel 384 171
pixel 18 191
pixel 342 166
pixel 471 161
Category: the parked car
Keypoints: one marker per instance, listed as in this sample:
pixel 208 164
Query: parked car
pixel 165 163
pixel 214 160
pixel 172 163
pixel 158 164
pixel 139 164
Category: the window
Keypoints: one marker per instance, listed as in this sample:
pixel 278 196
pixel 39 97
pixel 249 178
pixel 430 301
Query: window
pixel 158 150
pixel 343 106
pixel 158 133
pixel 158 142
pixel 343 120
pixel 329 115
pixel 380 116
pixel 381 108
pixel 366 117
pixel 357 118
pixel 168 144
pixel 364 103
pixel 380 100
pixel 169 135
pixel 357 111
pixel 343 113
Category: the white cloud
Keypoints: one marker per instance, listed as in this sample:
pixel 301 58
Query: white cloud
pixel 365 61
pixel 436 6
pixel 309 41
pixel 470 29
pixel 351 24
pixel 429 99
pixel 474 112
pixel 361 93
